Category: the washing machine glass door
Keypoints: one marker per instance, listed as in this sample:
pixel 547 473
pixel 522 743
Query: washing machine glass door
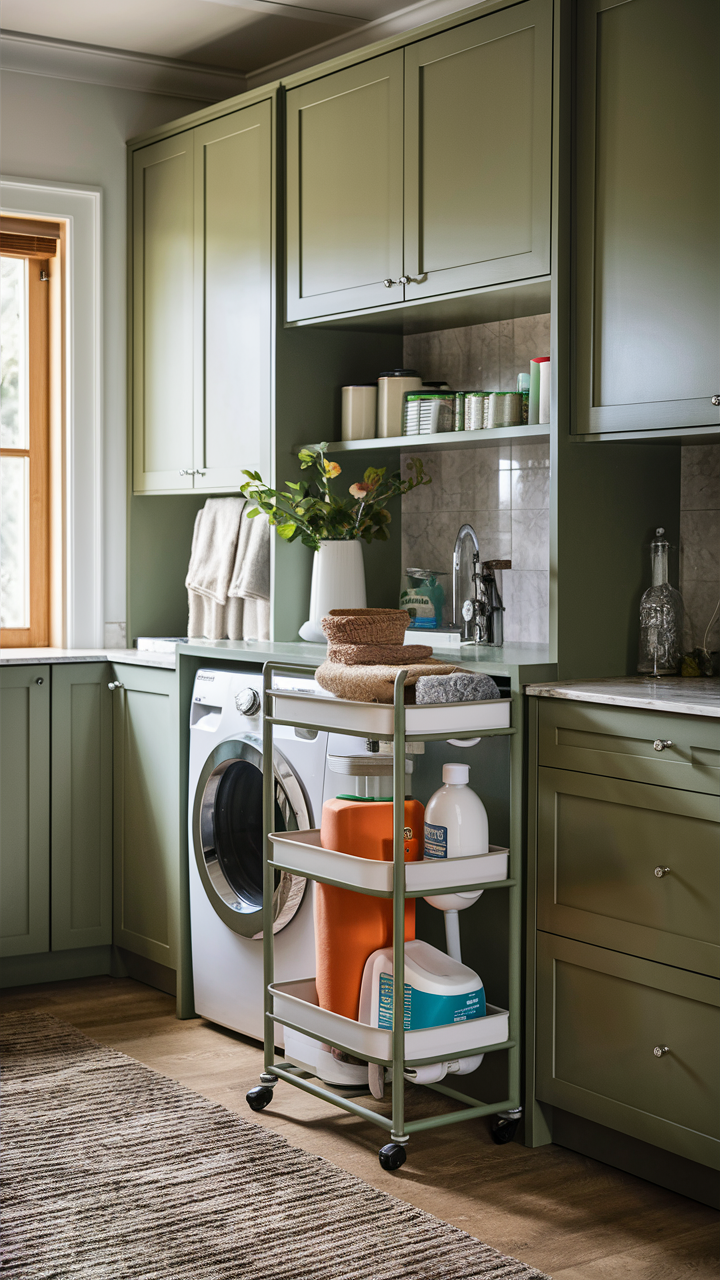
pixel 228 835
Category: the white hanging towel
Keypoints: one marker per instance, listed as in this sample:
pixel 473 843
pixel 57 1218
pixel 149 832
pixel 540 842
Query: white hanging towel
pixel 249 590
pixel 212 560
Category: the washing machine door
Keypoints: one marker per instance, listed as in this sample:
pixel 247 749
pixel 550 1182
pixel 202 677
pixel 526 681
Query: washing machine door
pixel 228 835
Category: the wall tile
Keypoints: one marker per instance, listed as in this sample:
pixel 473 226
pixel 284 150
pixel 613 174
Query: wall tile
pixel 700 542
pixel 700 545
pixel 526 597
pixel 700 478
pixel 701 599
pixel 530 488
pixel 482 356
pixel 530 539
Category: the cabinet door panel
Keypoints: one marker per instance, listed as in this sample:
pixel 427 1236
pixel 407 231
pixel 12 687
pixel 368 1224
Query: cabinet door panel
pixel 477 155
pixel 163 315
pixel 81 806
pixel 233 282
pixel 600 841
pixel 345 189
pixel 600 1017
pixel 24 810
pixel 648 164
pixel 146 809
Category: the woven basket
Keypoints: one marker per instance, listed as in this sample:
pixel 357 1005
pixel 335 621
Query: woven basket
pixel 366 626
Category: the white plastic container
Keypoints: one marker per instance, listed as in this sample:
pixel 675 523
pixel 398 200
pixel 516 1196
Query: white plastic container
pixel 456 824
pixel 391 392
pixel 359 412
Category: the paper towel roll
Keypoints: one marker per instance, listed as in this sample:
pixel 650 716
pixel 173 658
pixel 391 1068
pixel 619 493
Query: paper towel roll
pixel 544 404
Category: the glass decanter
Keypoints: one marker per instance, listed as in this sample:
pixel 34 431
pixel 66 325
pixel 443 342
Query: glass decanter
pixel 661 617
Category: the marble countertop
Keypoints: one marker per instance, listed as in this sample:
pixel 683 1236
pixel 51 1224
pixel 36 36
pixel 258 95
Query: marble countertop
pixel 668 693
pixel 42 657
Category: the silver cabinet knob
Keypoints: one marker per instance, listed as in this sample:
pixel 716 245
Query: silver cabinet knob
pixel 115 684
pixel 661 871
pixel 184 472
pixel 405 280
pixel 716 401
pixel 40 680
pixel 388 282
pixel 661 743
pixel 660 1049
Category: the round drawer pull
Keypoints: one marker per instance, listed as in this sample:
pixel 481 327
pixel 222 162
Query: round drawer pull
pixel 661 743
pixel 661 871
pixel 114 684
pixel 39 680
pixel 660 1049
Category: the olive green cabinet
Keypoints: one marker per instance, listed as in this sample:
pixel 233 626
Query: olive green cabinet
pixel 24 810
pixel 345 190
pixel 202 303
pixel 423 171
pixel 81 809
pixel 478 104
pixel 146 814
pixel 631 1045
pixel 648 211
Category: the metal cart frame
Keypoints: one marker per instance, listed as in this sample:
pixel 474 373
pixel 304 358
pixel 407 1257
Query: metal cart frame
pixel 400 1131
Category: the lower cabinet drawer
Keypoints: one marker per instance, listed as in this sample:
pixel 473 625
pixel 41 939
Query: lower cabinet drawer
pixel 603 1019
pixel 631 867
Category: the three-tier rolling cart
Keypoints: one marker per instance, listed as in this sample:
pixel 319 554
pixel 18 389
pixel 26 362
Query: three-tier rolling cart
pixel 294 1004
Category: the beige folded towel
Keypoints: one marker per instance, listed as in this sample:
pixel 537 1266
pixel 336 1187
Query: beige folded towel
pixel 248 606
pixel 375 683
pixel 214 544
pixel 366 655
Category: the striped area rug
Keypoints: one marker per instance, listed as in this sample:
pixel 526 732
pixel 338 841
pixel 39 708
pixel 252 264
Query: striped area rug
pixel 114 1172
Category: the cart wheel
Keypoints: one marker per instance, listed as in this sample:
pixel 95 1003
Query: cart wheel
pixel 392 1156
pixel 259 1097
pixel 503 1130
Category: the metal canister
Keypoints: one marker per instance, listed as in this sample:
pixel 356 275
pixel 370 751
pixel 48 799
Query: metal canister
pixel 505 409
pixel 475 405
pixel 459 411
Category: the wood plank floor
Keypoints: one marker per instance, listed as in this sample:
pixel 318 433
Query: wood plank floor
pixel 570 1216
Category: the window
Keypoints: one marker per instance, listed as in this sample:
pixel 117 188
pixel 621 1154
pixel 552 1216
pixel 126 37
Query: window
pixel 27 249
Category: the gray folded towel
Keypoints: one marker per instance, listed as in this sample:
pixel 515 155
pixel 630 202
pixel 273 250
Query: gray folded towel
pixel 461 686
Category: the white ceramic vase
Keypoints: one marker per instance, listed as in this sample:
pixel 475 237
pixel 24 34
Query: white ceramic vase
pixel 338 582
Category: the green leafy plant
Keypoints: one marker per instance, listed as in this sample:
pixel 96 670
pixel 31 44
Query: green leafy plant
pixel 311 511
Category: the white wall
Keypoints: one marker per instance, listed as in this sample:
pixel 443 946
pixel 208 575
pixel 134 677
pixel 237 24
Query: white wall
pixel 68 131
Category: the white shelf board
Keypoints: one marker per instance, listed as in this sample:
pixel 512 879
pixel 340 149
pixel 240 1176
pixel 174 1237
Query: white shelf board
pixel 440 440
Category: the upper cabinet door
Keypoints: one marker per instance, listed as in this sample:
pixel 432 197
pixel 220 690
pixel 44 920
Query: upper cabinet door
pixel 233 296
pixel 163 316
pixel 478 102
pixel 345 190
pixel 648 215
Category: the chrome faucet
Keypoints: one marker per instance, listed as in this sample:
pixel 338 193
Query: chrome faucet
pixel 482 614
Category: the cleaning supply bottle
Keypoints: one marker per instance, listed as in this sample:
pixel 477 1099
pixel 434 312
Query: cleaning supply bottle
pixel 456 826
pixel 349 926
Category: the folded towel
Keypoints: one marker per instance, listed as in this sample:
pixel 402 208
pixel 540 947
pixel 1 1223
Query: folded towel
pixel 365 655
pixel 214 544
pixel 375 683
pixel 251 572
pixel 460 686
pixel 366 626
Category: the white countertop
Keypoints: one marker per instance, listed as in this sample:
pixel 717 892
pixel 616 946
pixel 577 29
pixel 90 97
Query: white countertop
pixel 41 657
pixel 668 693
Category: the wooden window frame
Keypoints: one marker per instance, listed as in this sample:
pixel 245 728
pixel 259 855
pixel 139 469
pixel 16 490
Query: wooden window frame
pixel 38 451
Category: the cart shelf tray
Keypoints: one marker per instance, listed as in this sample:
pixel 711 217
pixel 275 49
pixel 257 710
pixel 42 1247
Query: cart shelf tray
pixel 301 852
pixel 297 1003
pixel 377 719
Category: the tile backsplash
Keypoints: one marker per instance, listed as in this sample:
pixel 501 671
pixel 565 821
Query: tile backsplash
pixel 700 542
pixel 503 491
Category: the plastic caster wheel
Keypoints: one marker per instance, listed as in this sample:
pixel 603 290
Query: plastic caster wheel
pixel 259 1097
pixel 504 1131
pixel 392 1156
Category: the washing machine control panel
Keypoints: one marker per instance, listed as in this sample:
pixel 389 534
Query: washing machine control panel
pixel 247 702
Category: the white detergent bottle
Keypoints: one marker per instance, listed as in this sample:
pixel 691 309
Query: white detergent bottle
pixel 456 826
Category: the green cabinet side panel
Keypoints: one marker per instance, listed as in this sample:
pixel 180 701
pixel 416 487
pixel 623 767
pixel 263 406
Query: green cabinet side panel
pixel 24 810
pixel 81 773
pixel 620 743
pixel 233 296
pixel 345 189
pixel 600 1017
pixel 478 107
pixel 146 814
pixel 600 841
pixel 162 302
pixel 648 164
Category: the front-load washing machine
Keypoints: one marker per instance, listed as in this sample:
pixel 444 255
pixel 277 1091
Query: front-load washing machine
pixel 225 839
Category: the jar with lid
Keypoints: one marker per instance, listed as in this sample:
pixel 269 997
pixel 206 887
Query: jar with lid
pixel 391 391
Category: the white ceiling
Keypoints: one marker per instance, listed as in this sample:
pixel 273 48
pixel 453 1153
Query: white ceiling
pixel 242 35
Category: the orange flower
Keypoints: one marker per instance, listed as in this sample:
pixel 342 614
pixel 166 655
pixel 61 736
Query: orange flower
pixel 332 469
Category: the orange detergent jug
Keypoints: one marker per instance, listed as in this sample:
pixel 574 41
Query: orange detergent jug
pixel 349 926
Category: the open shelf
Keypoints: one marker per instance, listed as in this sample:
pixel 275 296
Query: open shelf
pixel 442 440
pixel 376 719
